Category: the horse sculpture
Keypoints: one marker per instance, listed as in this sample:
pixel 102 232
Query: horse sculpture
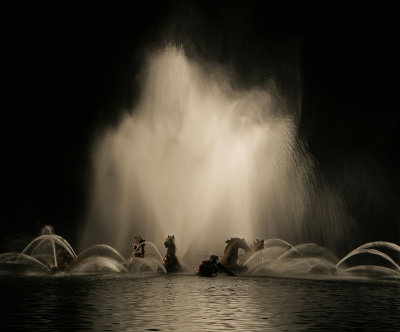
pixel 257 245
pixel 170 260
pixel 229 264
pixel 138 247
pixel 231 253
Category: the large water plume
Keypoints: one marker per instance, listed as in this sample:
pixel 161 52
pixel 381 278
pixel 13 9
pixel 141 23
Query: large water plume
pixel 203 161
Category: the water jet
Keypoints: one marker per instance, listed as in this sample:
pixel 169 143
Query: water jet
pixel 202 160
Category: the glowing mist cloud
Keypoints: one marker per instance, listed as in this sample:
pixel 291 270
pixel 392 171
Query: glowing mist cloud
pixel 201 161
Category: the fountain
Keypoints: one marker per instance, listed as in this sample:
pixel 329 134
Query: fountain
pixel 46 252
pixel 51 253
pixel 205 161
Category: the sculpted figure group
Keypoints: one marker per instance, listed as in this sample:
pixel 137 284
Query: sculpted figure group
pixel 229 264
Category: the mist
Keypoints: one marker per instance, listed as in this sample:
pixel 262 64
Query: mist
pixel 200 159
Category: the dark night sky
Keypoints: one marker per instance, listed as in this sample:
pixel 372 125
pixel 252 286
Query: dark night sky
pixel 66 72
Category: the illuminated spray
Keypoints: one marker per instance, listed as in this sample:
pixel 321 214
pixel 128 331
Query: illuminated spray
pixel 200 160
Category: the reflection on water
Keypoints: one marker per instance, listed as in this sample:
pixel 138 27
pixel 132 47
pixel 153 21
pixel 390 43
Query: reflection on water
pixel 122 302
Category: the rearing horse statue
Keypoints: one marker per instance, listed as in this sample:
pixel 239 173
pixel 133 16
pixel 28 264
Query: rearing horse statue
pixel 229 264
pixel 231 253
pixel 170 260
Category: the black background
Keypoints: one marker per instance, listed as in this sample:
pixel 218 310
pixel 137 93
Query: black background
pixel 68 71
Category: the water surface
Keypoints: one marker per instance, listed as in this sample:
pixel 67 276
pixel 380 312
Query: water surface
pixel 125 302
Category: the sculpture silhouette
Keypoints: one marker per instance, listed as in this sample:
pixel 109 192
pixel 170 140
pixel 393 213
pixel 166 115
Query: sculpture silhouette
pixel 170 260
pixel 231 254
pixel 208 268
pixel 138 247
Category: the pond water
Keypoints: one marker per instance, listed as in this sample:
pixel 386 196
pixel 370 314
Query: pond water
pixel 185 302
